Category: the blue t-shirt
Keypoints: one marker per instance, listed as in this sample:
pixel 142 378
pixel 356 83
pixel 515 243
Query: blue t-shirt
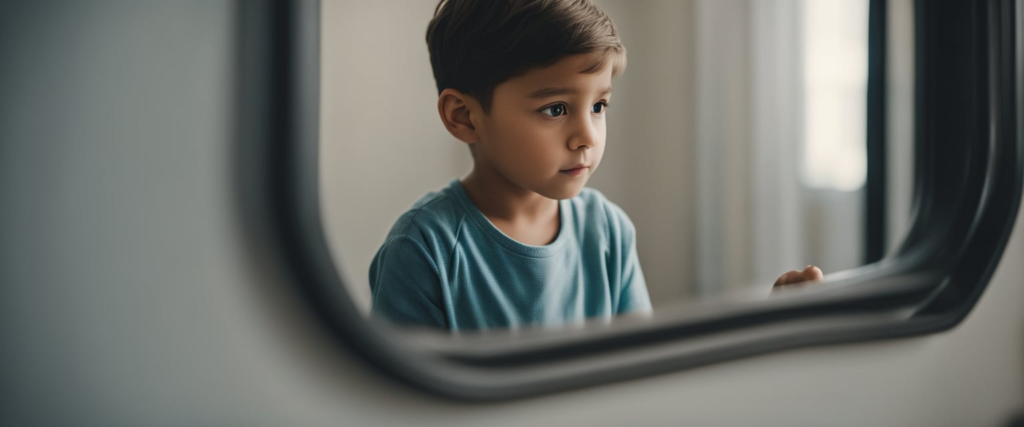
pixel 445 265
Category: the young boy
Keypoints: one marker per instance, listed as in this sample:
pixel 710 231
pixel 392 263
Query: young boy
pixel 517 241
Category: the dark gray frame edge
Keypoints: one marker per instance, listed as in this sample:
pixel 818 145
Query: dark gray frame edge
pixel 968 188
pixel 875 227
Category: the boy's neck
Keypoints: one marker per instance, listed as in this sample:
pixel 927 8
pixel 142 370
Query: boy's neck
pixel 522 214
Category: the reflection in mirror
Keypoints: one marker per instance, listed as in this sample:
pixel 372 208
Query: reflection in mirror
pixel 735 143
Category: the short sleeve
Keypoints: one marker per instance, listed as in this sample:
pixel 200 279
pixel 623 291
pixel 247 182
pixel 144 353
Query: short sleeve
pixel 405 285
pixel 633 297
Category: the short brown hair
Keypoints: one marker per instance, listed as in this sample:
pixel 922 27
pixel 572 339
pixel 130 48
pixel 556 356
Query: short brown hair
pixel 476 45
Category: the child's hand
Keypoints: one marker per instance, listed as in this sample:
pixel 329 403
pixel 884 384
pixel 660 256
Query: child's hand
pixel 809 274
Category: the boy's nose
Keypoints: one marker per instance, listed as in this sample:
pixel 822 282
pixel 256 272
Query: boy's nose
pixel 585 136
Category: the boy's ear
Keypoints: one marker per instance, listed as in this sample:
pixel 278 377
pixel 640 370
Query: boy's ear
pixel 458 111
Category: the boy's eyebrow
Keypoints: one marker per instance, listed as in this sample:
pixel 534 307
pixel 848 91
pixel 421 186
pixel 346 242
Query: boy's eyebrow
pixel 553 91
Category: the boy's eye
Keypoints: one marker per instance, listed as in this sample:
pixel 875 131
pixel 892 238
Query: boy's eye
pixel 555 110
pixel 599 107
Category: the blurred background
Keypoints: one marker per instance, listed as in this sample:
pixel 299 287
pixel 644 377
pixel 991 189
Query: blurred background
pixel 736 139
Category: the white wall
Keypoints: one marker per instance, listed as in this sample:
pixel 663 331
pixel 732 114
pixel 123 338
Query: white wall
pixel 382 143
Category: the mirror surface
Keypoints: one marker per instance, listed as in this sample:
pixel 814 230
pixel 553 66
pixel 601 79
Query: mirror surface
pixel 736 137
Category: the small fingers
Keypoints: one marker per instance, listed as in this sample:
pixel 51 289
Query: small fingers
pixel 812 273
pixel 808 274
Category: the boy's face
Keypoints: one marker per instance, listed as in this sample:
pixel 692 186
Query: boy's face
pixel 546 129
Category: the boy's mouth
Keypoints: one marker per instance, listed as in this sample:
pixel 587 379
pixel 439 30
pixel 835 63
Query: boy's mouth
pixel 576 170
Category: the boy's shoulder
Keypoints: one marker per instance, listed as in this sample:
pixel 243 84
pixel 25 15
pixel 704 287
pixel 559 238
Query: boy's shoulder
pixel 434 213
